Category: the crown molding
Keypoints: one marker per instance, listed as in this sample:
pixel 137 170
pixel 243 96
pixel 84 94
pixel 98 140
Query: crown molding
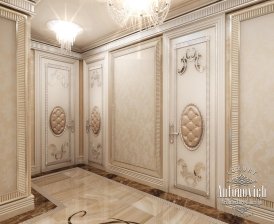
pixel 54 50
pixel 188 6
pixel 50 41
pixel 25 6
pixel 125 37
pixel 217 8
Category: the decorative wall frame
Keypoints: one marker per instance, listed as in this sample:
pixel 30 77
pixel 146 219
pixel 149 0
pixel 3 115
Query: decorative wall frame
pixel 233 104
pixel 217 118
pixel 94 114
pixel 192 55
pixel 24 113
pixel 129 169
pixel 45 62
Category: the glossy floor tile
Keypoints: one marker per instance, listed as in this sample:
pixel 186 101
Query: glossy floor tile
pixel 86 198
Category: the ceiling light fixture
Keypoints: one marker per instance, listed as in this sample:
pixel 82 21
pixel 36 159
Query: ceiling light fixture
pixel 65 31
pixel 138 14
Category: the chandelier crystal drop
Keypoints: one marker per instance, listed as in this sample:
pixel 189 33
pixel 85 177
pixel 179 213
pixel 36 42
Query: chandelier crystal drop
pixel 66 32
pixel 138 14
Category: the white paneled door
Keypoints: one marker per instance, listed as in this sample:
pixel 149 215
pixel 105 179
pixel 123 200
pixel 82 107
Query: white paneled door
pixel 192 117
pixel 94 110
pixel 58 111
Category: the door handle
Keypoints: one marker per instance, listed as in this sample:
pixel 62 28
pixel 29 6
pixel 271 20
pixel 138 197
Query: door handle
pixel 88 126
pixel 172 134
pixel 71 126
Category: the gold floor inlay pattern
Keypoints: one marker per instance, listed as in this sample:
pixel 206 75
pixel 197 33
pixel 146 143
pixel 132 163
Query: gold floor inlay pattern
pixel 78 191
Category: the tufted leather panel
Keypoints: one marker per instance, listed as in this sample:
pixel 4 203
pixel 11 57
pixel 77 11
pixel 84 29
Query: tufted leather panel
pixel 58 120
pixel 95 122
pixel 191 127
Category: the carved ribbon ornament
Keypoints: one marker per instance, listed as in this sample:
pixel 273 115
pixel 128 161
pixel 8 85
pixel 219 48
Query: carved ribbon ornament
pixel 191 56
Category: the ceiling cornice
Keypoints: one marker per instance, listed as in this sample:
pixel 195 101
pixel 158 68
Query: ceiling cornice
pixel 185 13
pixel 35 45
pixel 25 6
pixel 37 38
pixel 188 6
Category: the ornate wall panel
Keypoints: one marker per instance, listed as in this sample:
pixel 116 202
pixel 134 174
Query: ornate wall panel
pixel 56 110
pixel 194 61
pixel 8 111
pixel 135 102
pixel 192 91
pixel 251 96
pixel 94 111
pixel 15 113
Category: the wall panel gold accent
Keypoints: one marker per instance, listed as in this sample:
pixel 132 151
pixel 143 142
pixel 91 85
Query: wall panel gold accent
pixel 136 85
pixel 15 114
pixel 251 95
pixel 191 127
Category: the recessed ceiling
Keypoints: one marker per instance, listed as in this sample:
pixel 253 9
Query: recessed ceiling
pixel 91 15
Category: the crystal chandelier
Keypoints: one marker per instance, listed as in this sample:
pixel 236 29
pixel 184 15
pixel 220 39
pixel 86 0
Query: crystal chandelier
pixel 65 31
pixel 138 14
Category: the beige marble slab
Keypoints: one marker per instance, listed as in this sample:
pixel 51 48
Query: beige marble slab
pixel 104 200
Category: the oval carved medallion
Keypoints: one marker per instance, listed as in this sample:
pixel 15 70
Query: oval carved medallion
pixel 57 120
pixel 95 120
pixel 191 127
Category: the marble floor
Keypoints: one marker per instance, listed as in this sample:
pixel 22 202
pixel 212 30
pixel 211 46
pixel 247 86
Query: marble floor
pixel 84 197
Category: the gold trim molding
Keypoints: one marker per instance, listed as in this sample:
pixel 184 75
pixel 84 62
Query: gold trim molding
pixel 23 111
pixel 25 6
pixel 233 86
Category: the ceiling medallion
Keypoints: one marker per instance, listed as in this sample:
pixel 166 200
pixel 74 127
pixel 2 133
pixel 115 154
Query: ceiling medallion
pixel 65 31
pixel 139 14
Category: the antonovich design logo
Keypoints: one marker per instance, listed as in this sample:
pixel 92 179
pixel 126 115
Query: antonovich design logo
pixel 242 191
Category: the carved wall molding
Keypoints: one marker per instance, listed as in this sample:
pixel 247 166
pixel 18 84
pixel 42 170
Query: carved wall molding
pixel 191 177
pixel 25 6
pixel 96 151
pixel 95 120
pixel 142 178
pixel 54 50
pixel 192 127
pixel 125 157
pixel 60 80
pixel 96 76
pixel 45 65
pixel 265 215
pixel 58 154
pixel 191 56
pixel 57 120
pixel 24 113
pixel 205 12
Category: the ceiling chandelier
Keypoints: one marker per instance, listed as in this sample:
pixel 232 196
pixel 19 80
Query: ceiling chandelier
pixel 138 14
pixel 65 31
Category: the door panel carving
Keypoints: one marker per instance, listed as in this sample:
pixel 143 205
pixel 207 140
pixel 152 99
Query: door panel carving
pixel 94 112
pixel 192 97
pixel 56 109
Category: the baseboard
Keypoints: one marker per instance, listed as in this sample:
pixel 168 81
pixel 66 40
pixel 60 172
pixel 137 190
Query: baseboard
pixel 16 208
pixel 154 182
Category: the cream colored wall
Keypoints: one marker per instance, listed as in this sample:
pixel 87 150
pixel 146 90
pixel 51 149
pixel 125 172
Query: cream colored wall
pixel 257 99
pixel 8 114
pixel 136 108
